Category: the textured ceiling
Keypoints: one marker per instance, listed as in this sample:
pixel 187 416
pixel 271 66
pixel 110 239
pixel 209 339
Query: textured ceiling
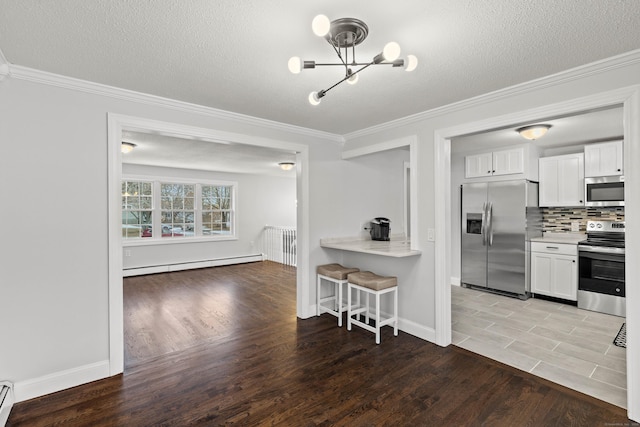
pixel 232 54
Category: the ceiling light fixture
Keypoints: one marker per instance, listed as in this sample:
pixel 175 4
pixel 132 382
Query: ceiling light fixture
pixel 344 35
pixel 127 147
pixel 286 166
pixel 533 132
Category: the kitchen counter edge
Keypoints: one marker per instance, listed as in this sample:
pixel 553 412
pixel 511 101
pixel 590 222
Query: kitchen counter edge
pixel 569 238
pixel 395 248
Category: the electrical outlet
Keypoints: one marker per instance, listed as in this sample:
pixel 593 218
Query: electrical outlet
pixel 431 235
pixel 127 252
pixel 575 226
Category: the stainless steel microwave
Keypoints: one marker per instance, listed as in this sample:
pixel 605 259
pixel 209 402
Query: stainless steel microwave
pixel 604 191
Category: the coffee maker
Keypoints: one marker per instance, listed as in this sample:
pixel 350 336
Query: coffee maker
pixel 379 229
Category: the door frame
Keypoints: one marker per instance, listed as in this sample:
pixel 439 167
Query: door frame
pixel 629 98
pixel 116 124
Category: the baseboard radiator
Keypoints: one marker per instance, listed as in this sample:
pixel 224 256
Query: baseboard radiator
pixel 279 244
pixel 166 268
pixel 7 400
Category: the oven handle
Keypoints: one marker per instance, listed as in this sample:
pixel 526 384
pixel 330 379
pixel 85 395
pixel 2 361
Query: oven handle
pixel 601 250
pixel 601 257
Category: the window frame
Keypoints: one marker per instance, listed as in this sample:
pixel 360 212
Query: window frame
pixel 157 238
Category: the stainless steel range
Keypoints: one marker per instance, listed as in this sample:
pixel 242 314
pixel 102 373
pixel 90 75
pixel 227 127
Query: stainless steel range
pixel 601 285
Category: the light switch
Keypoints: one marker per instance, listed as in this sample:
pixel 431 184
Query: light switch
pixel 431 235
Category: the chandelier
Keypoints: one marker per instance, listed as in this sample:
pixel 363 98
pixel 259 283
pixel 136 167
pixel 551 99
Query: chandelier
pixel 344 35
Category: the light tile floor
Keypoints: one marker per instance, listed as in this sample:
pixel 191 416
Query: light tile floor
pixel 558 342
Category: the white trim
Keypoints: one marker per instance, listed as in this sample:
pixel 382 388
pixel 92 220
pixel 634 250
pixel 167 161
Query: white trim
pixel 43 77
pixel 406 199
pixel 376 148
pixel 420 331
pixel 304 307
pixel 25 390
pixel 598 67
pixel 116 301
pixel 632 269
pixel 5 71
pixel 630 98
pixel 455 281
pixel 116 124
pixel 139 271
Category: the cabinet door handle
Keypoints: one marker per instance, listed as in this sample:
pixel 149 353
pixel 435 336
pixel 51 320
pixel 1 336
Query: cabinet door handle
pixel 573 261
pixel 553 247
pixel 618 170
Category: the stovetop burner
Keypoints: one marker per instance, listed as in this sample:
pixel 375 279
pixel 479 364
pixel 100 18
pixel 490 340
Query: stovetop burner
pixel 605 233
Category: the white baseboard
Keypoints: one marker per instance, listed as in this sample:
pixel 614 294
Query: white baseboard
pixel 25 390
pixel 139 271
pixel 420 331
pixel 455 281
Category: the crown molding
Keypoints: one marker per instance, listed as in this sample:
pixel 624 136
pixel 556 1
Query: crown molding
pixel 598 67
pixel 43 77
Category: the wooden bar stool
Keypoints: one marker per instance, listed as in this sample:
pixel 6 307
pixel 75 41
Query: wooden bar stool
pixel 372 284
pixel 336 274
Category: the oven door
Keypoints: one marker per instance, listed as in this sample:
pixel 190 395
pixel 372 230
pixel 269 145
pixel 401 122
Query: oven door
pixel 601 272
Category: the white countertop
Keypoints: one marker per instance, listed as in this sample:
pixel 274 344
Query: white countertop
pixel 396 247
pixel 569 238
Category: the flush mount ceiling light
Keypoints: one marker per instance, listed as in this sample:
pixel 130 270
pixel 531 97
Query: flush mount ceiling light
pixel 286 166
pixel 344 35
pixel 533 132
pixel 127 147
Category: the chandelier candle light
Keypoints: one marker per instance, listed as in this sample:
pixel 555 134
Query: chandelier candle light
pixel 344 35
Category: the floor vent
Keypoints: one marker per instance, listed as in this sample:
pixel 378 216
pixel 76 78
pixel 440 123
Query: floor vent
pixel 6 401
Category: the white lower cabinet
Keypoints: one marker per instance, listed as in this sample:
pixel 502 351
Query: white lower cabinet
pixel 554 270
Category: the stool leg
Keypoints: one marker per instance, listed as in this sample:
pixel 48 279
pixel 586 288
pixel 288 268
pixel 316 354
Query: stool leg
pixel 339 304
pixel 377 318
pixel 318 296
pixel 348 307
pixel 395 312
pixel 368 308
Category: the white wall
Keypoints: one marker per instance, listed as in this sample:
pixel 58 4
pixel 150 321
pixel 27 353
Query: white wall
pixel 54 277
pixel 260 200
pixel 376 189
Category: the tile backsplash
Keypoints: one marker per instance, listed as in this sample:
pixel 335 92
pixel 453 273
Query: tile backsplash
pixel 559 219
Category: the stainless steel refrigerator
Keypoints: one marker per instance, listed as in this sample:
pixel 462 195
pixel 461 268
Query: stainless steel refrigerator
pixel 498 220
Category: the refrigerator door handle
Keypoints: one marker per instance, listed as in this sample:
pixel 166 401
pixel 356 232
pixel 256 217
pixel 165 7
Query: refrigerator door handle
pixel 483 226
pixel 490 223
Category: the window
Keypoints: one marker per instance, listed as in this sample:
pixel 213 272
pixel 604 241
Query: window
pixel 172 210
pixel 137 209
pixel 177 210
pixel 217 215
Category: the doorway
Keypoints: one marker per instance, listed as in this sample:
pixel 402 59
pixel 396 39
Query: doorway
pixel 630 99
pixel 117 124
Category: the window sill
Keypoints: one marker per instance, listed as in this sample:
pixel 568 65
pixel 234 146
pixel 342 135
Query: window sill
pixel 175 240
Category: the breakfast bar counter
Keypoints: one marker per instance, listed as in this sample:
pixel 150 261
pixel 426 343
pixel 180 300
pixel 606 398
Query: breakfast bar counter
pixel 398 247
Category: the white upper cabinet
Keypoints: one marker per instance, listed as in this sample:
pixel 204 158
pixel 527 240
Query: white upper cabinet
pixel 478 165
pixel 504 162
pixel 562 180
pixel 603 159
pixel 508 162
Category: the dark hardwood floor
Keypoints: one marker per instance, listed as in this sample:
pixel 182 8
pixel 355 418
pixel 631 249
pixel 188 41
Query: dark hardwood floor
pixel 222 346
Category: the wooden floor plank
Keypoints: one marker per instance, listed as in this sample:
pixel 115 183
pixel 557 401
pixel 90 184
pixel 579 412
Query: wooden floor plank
pixel 222 346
